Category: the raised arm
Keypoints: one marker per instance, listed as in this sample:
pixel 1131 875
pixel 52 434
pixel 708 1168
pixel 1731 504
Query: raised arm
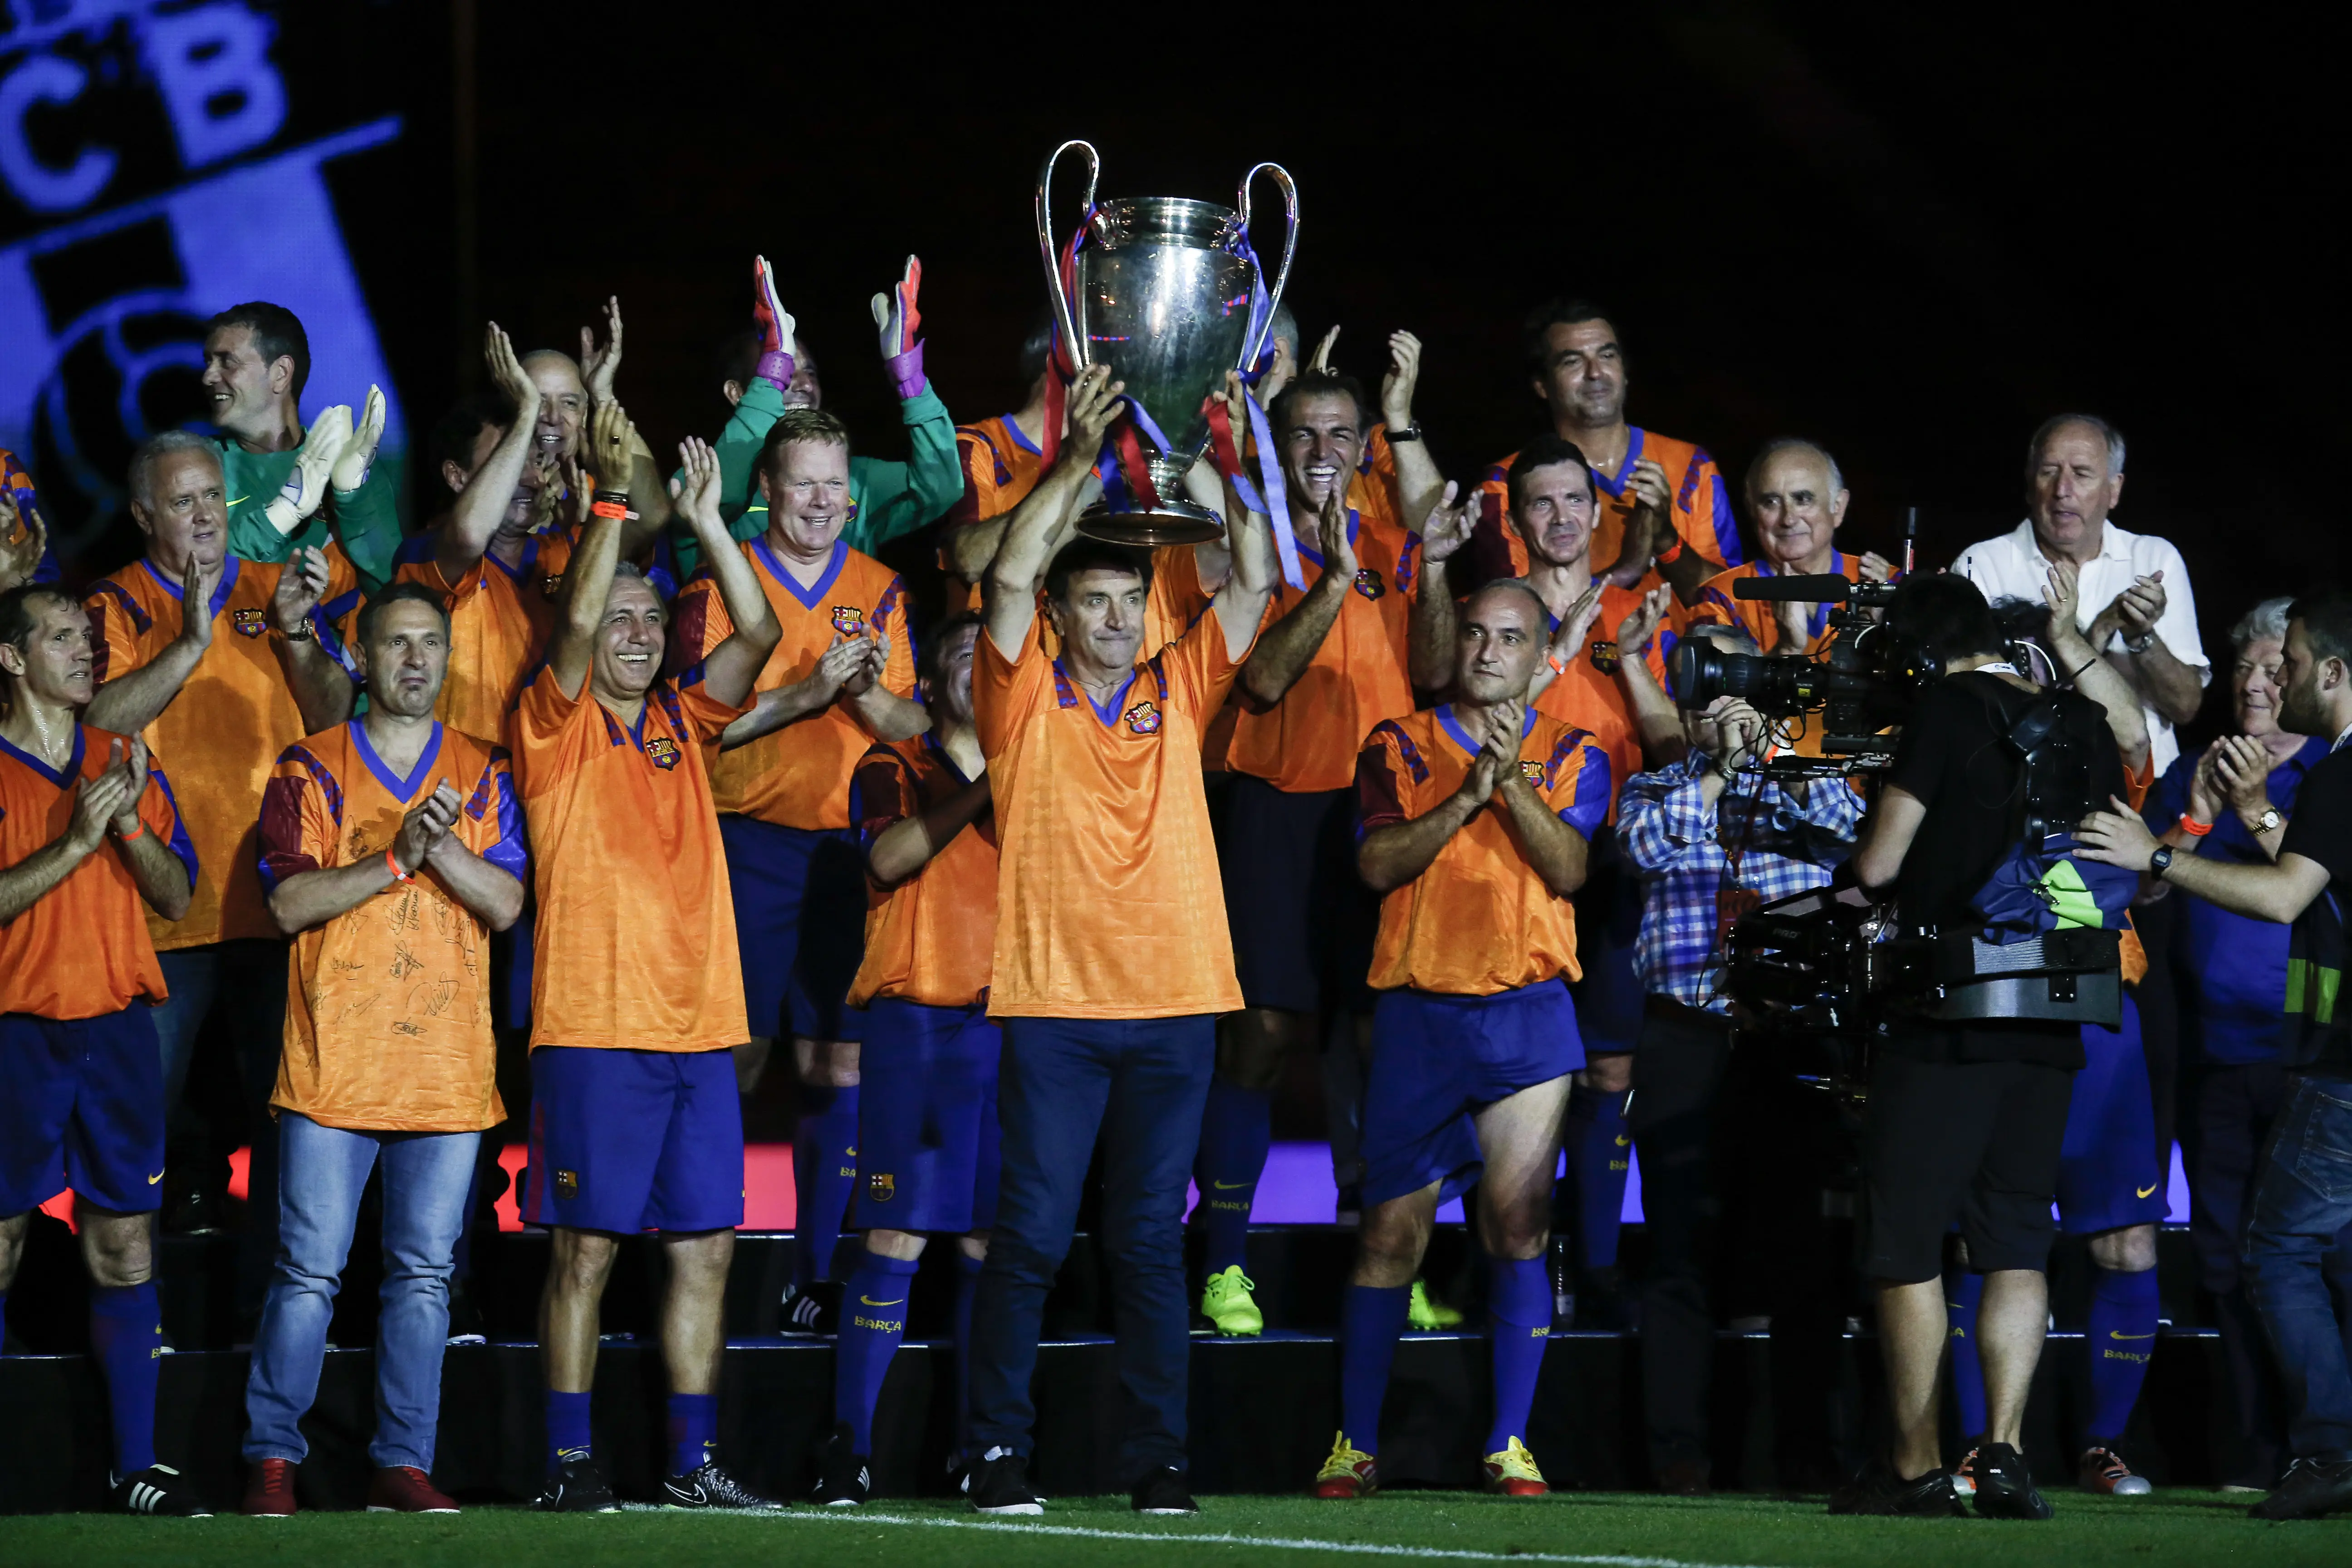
pixel 1433 629
pixel 1658 722
pixel 1417 479
pixel 580 607
pixel 1039 526
pixel 2174 687
pixel 321 687
pixel 482 504
pixel 1240 605
pixel 1651 533
pixel 907 845
pixel 728 670
pixel 1289 646
pixel 2094 677
pixel 129 702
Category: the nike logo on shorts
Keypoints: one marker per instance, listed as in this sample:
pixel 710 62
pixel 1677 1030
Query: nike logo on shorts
pixel 156 1178
pixel 1229 1186
pixel 872 1302
pixel 2146 1190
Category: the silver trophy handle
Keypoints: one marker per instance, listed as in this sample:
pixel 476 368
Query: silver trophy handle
pixel 1063 318
pixel 1250 350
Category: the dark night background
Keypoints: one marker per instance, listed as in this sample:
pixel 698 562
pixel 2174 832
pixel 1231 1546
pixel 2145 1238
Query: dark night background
pixel 1909 233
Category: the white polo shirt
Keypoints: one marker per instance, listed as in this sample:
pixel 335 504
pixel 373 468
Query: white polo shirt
pixel 2012 566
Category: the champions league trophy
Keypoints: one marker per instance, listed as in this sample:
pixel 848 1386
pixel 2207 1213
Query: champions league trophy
pixel 1169 292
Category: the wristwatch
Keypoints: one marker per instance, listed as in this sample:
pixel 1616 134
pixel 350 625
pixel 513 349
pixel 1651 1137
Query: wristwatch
pixel 1409 433
pixel 2160 861
pixel 2140 644
pixel 2269 820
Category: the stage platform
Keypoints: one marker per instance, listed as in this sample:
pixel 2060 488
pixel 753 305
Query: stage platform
pixel 1263 1410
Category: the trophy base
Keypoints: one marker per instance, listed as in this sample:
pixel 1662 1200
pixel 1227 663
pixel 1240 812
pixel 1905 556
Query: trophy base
pixel 1171 522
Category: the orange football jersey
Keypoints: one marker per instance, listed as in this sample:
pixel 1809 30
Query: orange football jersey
pixel 798 776
pixel 1480 920
pixel 83 949
pixel 223 731
pixel 1109 897
pixel 1703 513
pixel 1358 676
pixel 933 938
pixel 1587 694
pixel 635 947
pixel 1000 467
pixel 1760 618
pixel 500 618
pixel 388 1004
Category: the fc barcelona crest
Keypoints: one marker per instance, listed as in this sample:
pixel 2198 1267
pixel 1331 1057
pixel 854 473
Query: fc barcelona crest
pixel 567 1184
pixel 1532 770
pixel 881 1186
pixel 1604 658
pixel 849 620
pixel 664 752
pixel 248 623
pixel 551 585
pixel 1368 584
pixel 1143 719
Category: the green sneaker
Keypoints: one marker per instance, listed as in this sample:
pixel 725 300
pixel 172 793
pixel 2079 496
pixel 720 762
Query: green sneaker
pixel 1427 1314
pixel 1225 1303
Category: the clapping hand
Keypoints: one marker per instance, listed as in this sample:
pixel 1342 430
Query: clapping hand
pixel 1641 623
pixel 1397 385
pixel 896 316
pixel 20 556
pixel 598 366
pixel 1449 526
pixel 358 456
pixel 427 824
pixel 300 585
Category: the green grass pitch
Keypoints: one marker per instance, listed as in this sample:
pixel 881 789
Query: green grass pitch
pixel 1622 1531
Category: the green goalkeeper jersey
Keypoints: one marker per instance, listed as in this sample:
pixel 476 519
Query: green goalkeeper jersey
pixel 366 521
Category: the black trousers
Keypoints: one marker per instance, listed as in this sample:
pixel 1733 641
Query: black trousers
pixel 1737 1156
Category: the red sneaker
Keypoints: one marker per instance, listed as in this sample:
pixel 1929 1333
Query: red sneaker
pixel 405 1488
pixel 269 1490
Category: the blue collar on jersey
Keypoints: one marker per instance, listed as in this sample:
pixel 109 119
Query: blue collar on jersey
pixel 403 790
pixel 230 566
pixel 73 762
pixel 1461 737
pixel 813 596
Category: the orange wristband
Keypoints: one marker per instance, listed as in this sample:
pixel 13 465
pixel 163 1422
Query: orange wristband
pixel 607 509
pixel 134 833
pixel 1671 554
pixel 393 866
pixel 2194 828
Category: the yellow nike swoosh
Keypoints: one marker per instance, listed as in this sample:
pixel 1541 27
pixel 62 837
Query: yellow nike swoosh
pixel 156 1178
pixel 1229 1186
pixel 2148 1189
pixel 872 1302
pixel 2120 1334
pixel 1622 1141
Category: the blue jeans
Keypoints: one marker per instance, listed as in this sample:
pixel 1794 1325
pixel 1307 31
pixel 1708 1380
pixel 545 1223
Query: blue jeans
pixel 426 1178
pixel 1141 1082
pixel 2302 1199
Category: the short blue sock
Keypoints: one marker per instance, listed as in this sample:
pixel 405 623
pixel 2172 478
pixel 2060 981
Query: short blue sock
pixel 967 1287
pixel 567 1428
pixel 1518 1303
pixel 825 1173
pixel 1600 1155
pixel 126 1339
pixel 1371 1319
pixel 1968 1367
pixel 873 1323
pixel 2122 1335
pixel 1236 1131
pixel 693 1432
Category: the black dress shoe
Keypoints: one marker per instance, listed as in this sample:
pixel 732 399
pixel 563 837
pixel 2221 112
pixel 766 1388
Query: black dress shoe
pixel 1877 1491
pixel 2309 1489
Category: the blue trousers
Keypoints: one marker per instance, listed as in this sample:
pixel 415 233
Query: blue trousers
pixel 1140 1083
pixel 2303 1199
pixel 426 1178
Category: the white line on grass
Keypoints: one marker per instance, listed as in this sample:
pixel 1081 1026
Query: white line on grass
pixel 1175 1538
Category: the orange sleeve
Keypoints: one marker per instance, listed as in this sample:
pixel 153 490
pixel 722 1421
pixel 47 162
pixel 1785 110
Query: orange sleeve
pixel 1003 690
pixel 1200 664
pixel 1379 782
pixel 881 794
pixel 698 621
pixel 979 461
pixel 1580 790
pixel 892 618
pixel 300 806
pixel 2138 780
pixel 542 714
pixel 117 621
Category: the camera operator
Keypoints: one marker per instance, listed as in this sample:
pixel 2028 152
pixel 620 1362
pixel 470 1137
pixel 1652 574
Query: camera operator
pixel 2302 1194
pixel 1711 837
pixel 1965 1120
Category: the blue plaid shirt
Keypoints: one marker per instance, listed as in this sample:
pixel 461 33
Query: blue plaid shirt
pixel 1674 838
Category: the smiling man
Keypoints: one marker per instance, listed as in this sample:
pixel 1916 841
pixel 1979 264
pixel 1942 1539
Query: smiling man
pixel 637 995
pixel 2134 601
pixel 841 678
pixel 280 475
pixel 1798 498
pixel 90 842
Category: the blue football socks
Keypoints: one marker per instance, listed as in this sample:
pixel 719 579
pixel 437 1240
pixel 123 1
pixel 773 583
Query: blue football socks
pixel 126 1339
pixel 1371 1319
pixel 873 1323
pixel 2121 1334
pixel 825 1173
pixel 1236 1131
pixel 1968 1368
pixel 693 1432
pixel 1519 1305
